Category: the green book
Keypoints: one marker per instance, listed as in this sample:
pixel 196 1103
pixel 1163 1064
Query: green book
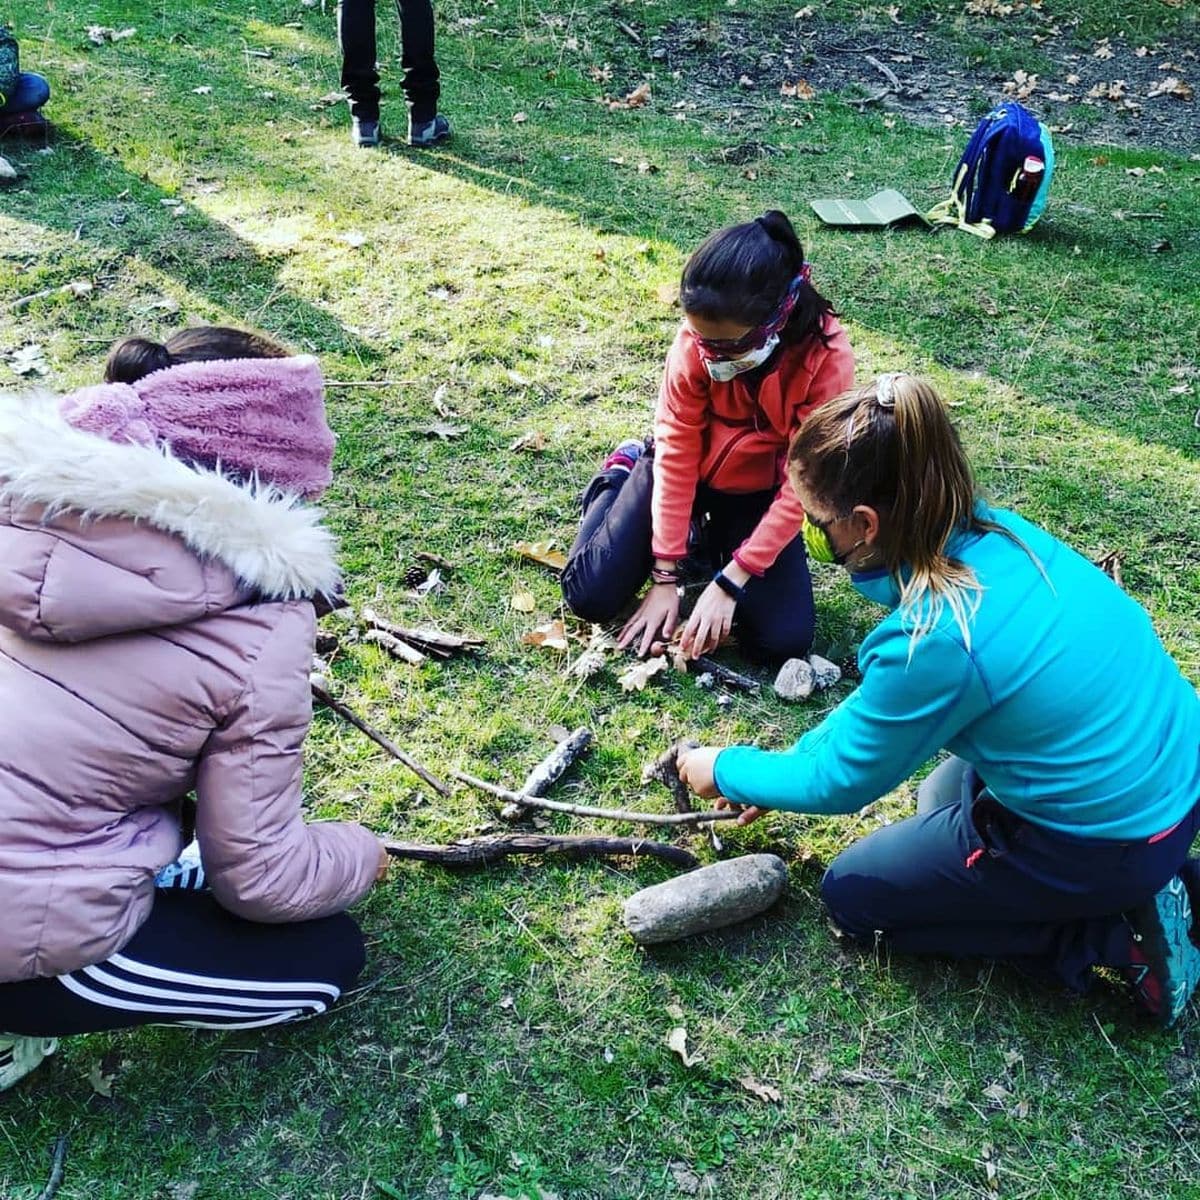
pixel 888 207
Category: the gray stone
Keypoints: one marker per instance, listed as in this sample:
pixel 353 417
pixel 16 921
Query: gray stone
pixel 825 673
pixel 795 680
pixel 708 898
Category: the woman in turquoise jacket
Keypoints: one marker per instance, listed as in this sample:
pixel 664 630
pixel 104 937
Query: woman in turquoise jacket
pixel 1057 833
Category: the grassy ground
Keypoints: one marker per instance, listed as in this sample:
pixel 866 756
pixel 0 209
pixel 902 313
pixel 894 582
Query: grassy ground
pixel 510 1040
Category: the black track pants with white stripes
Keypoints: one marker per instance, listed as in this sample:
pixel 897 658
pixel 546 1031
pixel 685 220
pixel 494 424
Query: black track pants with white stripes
pixel 194 963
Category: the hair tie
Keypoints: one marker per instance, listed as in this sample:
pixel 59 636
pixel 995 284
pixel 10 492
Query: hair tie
pixel 885 395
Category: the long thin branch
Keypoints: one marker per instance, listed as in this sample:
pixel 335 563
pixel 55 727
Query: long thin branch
pixel 584 810
pixel 475 852
pixel 323 696
pixel 58 1166
pixel 724 674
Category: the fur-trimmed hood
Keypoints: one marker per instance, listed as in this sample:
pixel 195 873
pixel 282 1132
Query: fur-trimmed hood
pixel 116 501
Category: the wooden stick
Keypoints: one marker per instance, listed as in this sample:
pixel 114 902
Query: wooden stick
pixel 724 674
pixel 665 770
pixel 394 646
pixel 476 852
pixel 556 764
pixel 58 1165
pixel 885 71
pixel 323 696
pixel 584 810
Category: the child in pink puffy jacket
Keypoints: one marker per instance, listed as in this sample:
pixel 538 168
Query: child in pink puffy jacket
pixel 158 571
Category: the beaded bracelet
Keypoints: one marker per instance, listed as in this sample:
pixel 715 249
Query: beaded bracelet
pixel 662 575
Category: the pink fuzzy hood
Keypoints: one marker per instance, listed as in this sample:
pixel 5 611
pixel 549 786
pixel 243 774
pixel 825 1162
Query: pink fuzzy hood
pixel 255 417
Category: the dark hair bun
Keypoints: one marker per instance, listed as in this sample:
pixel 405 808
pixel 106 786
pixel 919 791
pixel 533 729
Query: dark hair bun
pixel 134 358
pixel 777 226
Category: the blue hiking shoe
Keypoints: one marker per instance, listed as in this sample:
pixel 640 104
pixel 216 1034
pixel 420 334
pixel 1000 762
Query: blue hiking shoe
pixel 365 133
pixel 428 133
pixel 1165 962
pixel 20 1055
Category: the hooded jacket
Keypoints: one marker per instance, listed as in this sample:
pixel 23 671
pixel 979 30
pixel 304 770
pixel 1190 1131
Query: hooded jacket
pixel 156 632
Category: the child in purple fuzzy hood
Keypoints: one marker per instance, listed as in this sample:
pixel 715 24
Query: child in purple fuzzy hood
pixel 158 572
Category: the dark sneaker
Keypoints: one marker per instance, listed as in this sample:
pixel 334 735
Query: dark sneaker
pixel 624 456
pixel 364 132
pixel 428 133
pixel 1164 962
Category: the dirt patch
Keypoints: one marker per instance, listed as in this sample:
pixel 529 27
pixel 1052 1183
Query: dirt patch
pixel 1114 91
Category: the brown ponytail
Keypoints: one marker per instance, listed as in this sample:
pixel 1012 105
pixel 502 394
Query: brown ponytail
pixel 134 358
pixel 891 445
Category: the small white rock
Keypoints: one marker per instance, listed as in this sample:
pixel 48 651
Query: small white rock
pixel 7 170
pixel 825 673
pixel 795 680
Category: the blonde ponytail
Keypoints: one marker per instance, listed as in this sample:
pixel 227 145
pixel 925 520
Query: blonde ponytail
pixel 890 445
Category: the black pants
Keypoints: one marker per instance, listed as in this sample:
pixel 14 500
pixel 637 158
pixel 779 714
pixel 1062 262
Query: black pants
pixel 611 559
pixel 360 78
pixel 972 879
pixel 193 963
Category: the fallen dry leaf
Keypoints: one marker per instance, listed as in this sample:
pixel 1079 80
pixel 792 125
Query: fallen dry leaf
pixel 534 440
pixel 520 118
pixel 692 1183
pixel 101 1077
pixel 1103 49
pixel 638 97
pixel 800 90
pixel 440 429
pixel 667 293
pixel 99 34
pixel 522 602
pixel 1172 86
pixel 642 671
pixel 764 1091
pixel 28 360
pixel 542 552
pixel 677 1041
pixel 801 13
pixel 551 636
pixel 1022 85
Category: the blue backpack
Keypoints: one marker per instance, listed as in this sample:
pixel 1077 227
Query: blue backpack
pixel 990 193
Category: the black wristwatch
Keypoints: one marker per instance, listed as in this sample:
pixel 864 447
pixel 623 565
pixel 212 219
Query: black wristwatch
pixel 729 587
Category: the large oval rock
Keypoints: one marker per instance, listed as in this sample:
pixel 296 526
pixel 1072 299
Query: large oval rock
pixel 708 898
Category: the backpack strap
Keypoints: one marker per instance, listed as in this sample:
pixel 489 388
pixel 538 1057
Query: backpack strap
pixel 953 210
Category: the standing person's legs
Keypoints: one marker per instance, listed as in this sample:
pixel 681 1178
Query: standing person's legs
pixel 356 38
pixel 193 963
pixel 777 618
pixel 610 558
pixel 971 879
pixel 421 80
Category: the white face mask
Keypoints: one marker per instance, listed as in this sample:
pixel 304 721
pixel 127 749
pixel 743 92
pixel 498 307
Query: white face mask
pixel 724 369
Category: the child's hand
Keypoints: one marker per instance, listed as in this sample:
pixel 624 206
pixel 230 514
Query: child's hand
pixel 657 613
pixel 710 622
pixel 696 766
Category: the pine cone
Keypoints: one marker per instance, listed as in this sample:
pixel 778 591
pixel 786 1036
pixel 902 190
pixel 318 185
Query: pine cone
pixel 415 576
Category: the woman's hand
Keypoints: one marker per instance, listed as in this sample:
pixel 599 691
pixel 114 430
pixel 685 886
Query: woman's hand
pixel 696 766
pixel 656 617
pixel 750 813
pixel 711 620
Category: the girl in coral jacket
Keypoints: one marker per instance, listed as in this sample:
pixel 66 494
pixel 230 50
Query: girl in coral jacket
pixel 158 573
pixel 759 349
